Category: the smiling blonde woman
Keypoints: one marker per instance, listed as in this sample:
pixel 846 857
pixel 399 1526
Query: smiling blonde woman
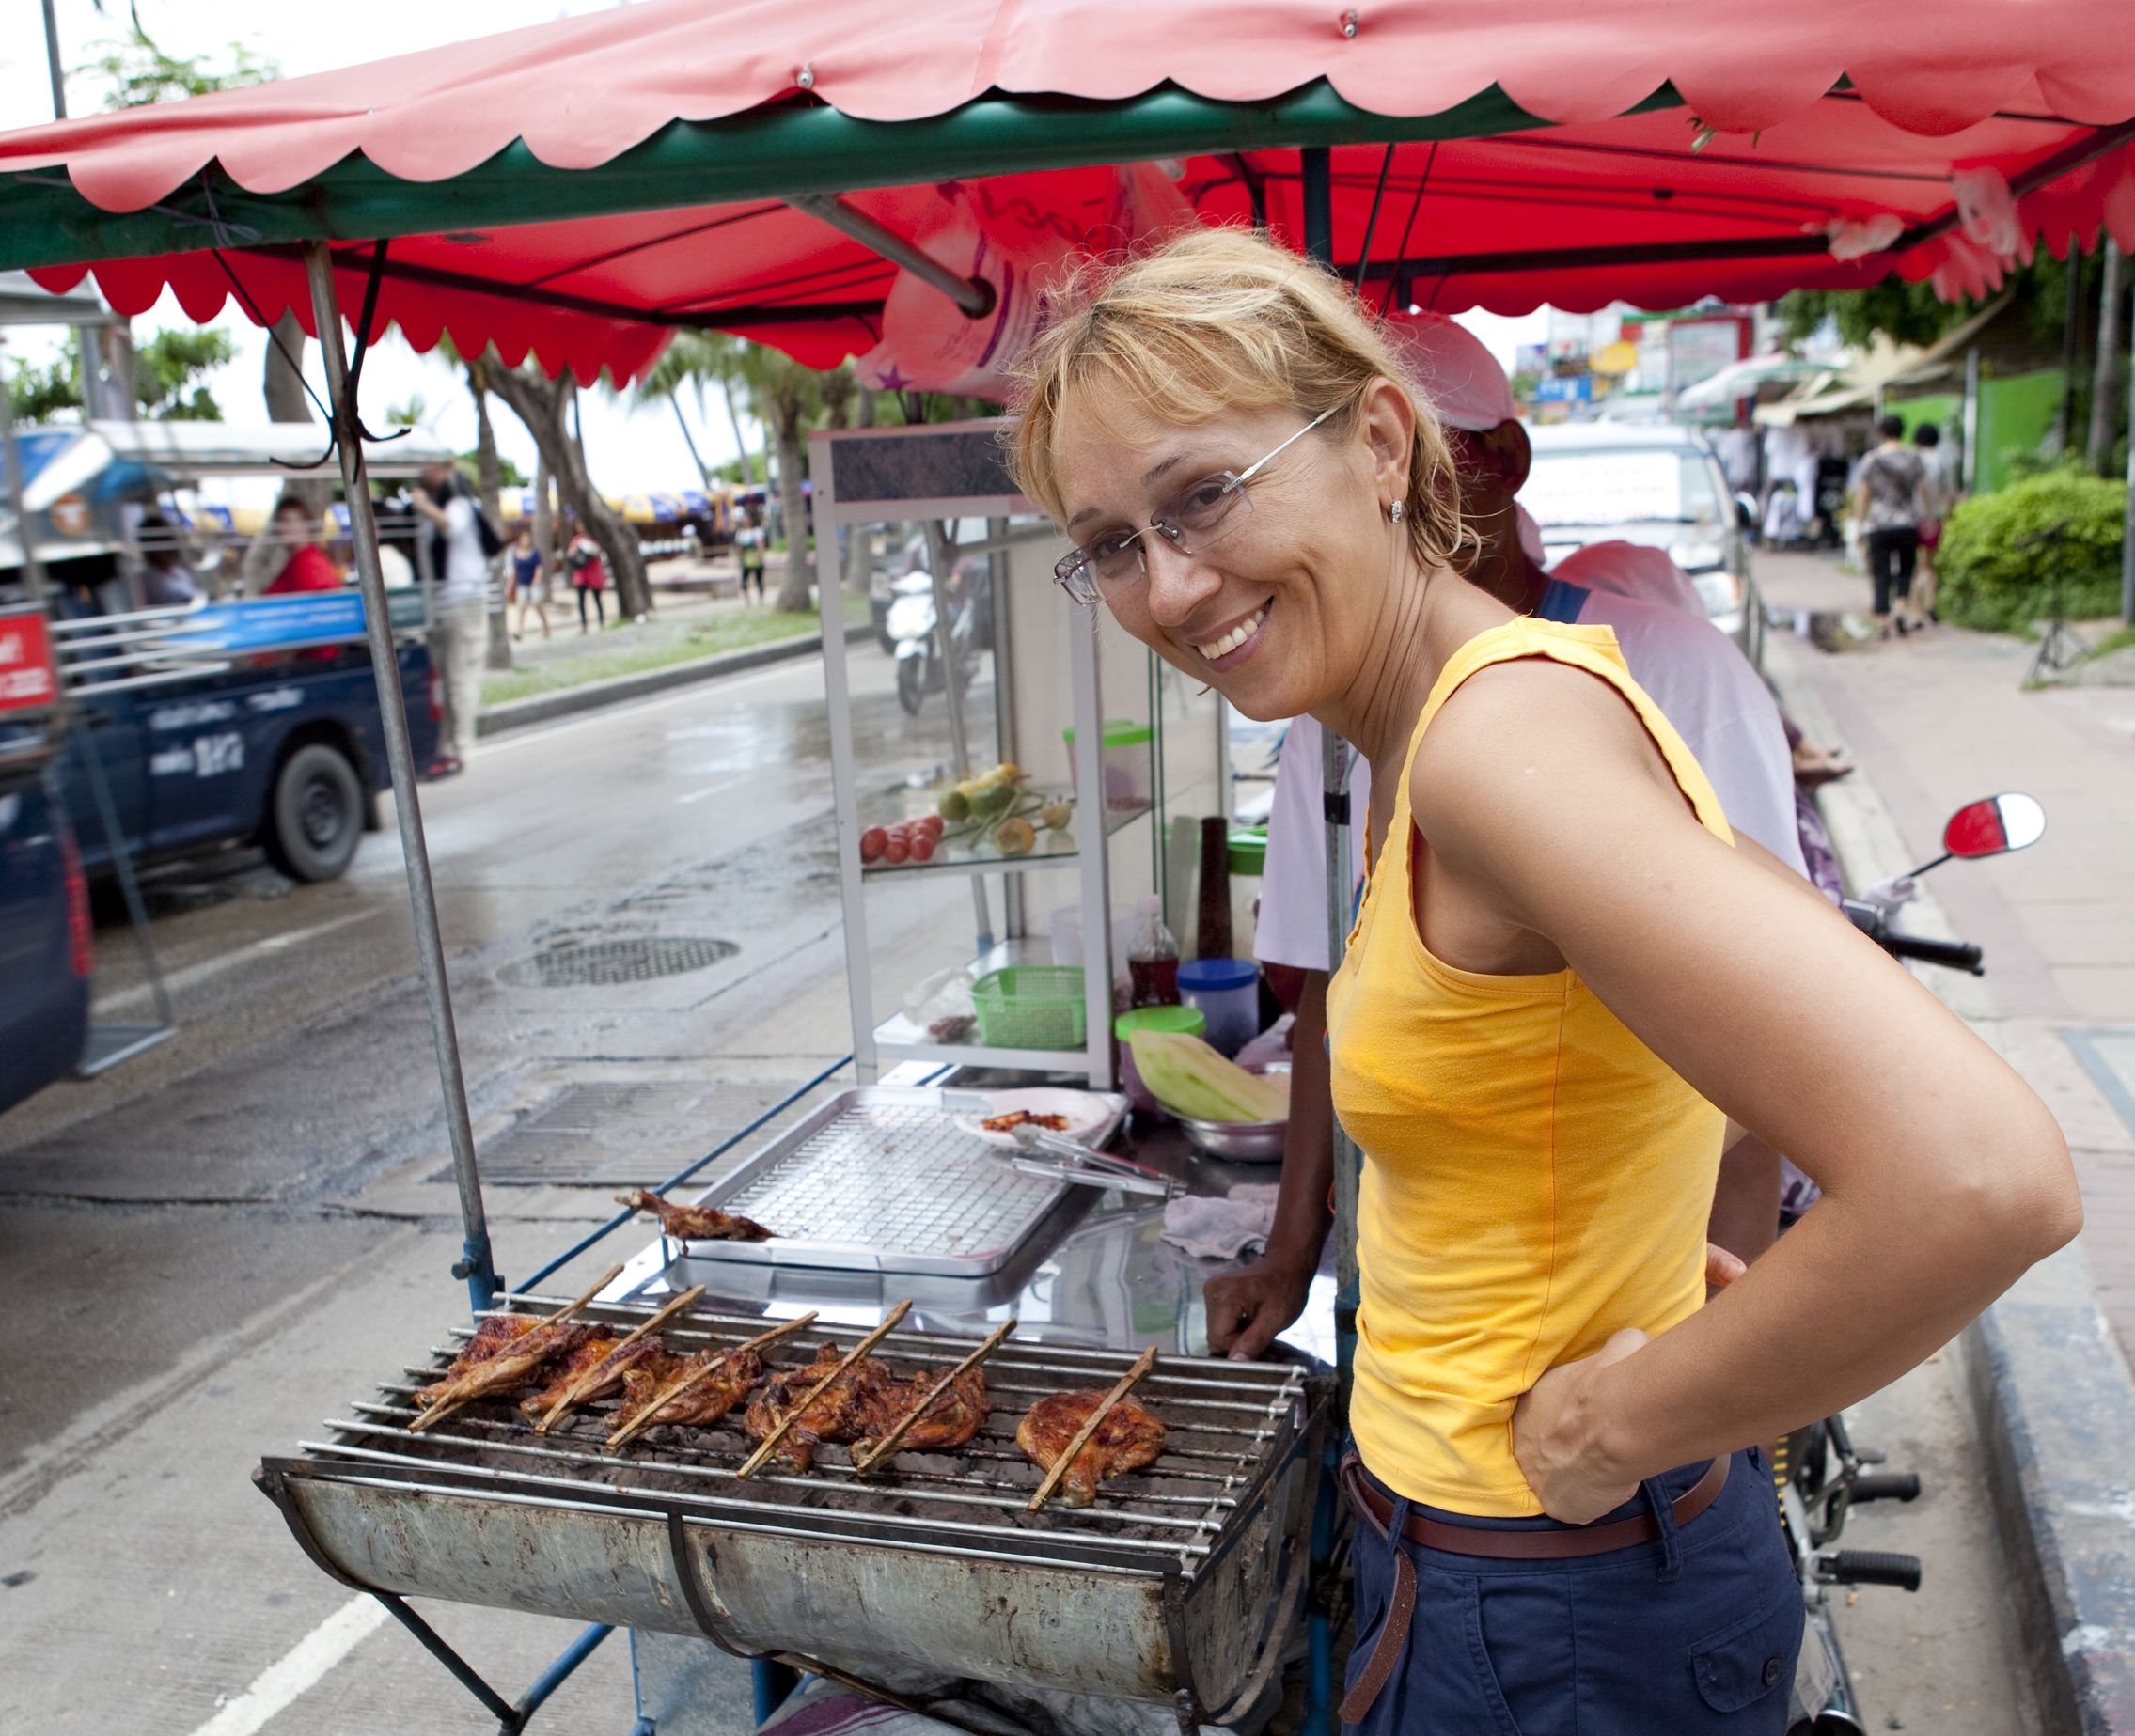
pixel 1565 979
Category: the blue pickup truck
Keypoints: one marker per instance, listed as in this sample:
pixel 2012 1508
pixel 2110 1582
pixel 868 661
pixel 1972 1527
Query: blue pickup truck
pixel 274 739
pixel 288 755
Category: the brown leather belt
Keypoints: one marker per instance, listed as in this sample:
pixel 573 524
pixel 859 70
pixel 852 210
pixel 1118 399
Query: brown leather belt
pixel 1539 1545
pixel 1533 1545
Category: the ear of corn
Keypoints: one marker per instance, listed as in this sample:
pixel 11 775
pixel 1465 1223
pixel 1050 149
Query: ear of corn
pixel 1189 1078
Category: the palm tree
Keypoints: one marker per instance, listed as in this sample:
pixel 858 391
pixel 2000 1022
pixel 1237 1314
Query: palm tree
pixel 694 360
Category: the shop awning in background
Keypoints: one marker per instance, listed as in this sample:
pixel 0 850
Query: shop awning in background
pixel 598 182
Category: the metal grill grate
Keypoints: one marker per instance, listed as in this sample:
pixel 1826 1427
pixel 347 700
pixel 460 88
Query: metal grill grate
pixel 899 1179
pixel 1223 1422
pixel 567 961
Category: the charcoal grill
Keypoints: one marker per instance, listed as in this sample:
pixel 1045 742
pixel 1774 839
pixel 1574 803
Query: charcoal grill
pixel 1176 1587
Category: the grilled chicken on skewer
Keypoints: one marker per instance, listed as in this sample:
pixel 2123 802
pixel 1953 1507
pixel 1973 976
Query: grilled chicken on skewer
pixel 516 1357
pixel 950 1421
pixel 1127 1439
pixel 855 1403
pixel 701 1404
pixel 695 1223
pixel 599 1347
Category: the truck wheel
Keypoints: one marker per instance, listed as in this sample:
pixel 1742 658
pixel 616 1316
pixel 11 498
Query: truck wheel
pixel 315 819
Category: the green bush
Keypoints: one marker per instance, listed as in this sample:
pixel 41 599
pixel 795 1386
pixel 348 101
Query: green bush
pixel 1991 581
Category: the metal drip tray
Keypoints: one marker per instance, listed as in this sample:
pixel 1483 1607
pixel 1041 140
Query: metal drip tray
pixel 880 1178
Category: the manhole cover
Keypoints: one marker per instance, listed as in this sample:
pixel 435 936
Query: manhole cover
pixel 568 962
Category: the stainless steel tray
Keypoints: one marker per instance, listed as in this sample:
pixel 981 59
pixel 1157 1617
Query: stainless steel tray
pixel 879 1179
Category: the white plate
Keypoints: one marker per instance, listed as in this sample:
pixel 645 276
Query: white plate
pixel 1084 1111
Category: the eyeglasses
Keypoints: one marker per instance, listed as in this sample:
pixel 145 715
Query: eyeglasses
pixel 1190 521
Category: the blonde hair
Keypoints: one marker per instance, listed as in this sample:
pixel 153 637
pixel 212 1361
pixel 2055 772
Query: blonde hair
pixel 1219 319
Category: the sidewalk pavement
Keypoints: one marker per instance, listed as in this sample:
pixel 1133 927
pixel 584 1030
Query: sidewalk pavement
pixel 1933 721
pixel 1941 718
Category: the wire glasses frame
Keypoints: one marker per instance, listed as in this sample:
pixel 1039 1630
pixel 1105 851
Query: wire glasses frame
pixel 1203 511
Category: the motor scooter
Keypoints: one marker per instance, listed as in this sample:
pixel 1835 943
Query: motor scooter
pixel 1819 1470
pixel 910 627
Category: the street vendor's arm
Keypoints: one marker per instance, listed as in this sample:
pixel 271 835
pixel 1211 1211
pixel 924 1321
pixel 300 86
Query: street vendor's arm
pixel 1768 1003
pixel 1247 1309
pixel 423 504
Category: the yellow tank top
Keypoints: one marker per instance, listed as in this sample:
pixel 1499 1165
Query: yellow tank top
pixel 1535 1178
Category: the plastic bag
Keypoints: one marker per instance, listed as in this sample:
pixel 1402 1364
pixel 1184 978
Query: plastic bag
pixel 941 1004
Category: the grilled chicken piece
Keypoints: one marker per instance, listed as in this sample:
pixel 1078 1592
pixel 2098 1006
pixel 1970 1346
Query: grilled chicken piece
pixel 695 1223
pixel 704 1403
pixel 1127 1439
pixel 851 1406
pixel 596 1350
pixel 514 1355
pixel 949 1422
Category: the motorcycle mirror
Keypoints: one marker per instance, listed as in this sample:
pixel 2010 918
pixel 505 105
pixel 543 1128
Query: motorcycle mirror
pixel 1993 827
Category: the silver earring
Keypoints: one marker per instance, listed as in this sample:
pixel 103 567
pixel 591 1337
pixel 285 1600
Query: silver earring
pixel 1395 512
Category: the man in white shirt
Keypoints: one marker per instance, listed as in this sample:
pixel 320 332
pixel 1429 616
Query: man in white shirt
pixel 459 617
pixel 1706 686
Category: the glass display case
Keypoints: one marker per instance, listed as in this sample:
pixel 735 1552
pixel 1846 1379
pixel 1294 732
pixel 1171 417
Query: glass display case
pixel 994 748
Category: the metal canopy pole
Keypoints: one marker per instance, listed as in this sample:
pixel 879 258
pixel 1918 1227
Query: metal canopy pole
pixel 475 1263
pixel 975 296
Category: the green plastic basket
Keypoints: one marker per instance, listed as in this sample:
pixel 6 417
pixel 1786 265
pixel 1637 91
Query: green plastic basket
pixel 1031 1006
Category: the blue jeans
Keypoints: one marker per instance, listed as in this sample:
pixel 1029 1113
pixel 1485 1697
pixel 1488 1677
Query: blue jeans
pixel 1696 1632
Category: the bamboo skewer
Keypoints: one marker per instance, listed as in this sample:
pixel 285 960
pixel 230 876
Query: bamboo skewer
pixel 887 1444
pixel 1144 1362
pixel 445 1407
pixel 586 1381
pixel 755 1461
pixel 683 1383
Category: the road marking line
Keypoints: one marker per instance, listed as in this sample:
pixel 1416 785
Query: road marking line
pixel 206 968
pixel 711 790
pixel 298 1669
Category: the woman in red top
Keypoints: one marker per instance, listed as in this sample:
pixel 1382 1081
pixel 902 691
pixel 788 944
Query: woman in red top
pixel 308 567
pixel 588 574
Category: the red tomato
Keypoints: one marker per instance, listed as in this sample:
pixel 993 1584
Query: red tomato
pixel 897 851
pixel 932 825
pixel 873 841
pixel 923 846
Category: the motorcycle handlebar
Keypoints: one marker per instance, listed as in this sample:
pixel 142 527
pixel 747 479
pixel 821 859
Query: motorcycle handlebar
pixel 1957 954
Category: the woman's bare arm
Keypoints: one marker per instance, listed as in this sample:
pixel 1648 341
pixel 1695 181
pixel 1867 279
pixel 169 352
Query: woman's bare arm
pixel 1944 1177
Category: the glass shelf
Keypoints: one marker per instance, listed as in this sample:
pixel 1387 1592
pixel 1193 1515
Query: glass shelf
pixel 975 855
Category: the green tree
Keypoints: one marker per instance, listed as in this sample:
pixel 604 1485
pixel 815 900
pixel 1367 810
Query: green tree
pixel 136 70
pixel 692 362
pixel 40 391
pixel 166 379
pixel 1905 313
pixel 167 369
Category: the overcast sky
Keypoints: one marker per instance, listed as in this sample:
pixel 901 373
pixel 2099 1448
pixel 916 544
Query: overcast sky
pixel 629 453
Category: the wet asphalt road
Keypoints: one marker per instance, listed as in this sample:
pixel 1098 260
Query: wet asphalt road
pixel 218 1244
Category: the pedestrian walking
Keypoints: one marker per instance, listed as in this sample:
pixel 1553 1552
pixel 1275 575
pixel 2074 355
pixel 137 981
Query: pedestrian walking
pixel 1941 497
pixel 529 583
pixel 459 627
pixel 1890 500
pixel 748 547
pixel 588 574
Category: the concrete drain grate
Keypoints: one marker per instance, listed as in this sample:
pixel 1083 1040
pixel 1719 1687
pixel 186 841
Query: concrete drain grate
pixel 567 961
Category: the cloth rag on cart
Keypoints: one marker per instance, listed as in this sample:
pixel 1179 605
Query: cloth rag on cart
pixel 1222 1225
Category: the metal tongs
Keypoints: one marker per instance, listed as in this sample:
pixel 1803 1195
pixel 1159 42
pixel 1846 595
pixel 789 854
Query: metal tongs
pixel 1087 1166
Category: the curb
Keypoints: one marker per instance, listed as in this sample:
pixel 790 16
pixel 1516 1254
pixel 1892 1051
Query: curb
pixel 593 696
pixel 2051 1394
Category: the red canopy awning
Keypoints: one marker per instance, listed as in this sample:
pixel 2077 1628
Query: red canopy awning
pixel 1547 151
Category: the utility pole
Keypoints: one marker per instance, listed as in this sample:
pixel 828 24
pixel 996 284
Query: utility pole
pixel 2071 320
pixel 2099 450
pixel 98 390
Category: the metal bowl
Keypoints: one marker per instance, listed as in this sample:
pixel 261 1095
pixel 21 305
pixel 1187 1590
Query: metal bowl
pixel 1238 1142
pixel 1241 1142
